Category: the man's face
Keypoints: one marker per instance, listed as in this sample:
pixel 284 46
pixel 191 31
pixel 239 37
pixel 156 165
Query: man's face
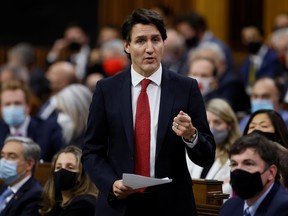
pixel 201 68
pixel 265 90
pixel 250 34
pixel 186 30
pixel 146 48
pixel 249 161
pixel 14 97
pixel 13 151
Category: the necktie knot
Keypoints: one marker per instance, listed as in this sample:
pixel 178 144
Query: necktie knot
pixel 144 84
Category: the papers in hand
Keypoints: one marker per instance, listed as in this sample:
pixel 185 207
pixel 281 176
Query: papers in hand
pixel 138 181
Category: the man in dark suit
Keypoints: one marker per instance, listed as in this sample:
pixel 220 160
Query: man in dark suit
pixel 255 179
pixel 178 125
pixel 19 157
pixel 16 120
pixel 262 59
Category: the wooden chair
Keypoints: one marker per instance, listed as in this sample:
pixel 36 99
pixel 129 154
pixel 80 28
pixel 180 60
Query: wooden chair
pixel 42 172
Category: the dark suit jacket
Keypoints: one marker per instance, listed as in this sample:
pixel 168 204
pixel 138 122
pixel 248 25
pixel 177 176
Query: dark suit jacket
pixel 275 203
pixel 231 89
pixel 46 133
pixel 80 205
pixel 270 67
pixel 27 200
pixel 109 142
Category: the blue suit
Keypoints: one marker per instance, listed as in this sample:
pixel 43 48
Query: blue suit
pixel 275 203
pixel 108 151
pixel 48 134
pixel 27 200
pixel 270 67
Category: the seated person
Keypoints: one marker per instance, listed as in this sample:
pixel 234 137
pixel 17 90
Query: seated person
pixel 68 190
pixel 267 93
pixel 16 120
pixel 19 158
pixel 261 61
pixel 271 125
pixel 255 179
pixel 224 127
pixel 207 64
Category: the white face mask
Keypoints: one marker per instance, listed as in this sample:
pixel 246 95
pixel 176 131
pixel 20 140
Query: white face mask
pixel 204 84
pixel 67 126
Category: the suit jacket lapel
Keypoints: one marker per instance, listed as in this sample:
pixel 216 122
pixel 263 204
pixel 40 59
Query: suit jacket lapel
pixel 264 206
pixel 126 108
pixel 166 104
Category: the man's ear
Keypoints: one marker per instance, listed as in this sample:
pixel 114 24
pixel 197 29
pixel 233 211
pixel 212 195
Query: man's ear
pixel 273 171
pixel 126 47
pixel 30 164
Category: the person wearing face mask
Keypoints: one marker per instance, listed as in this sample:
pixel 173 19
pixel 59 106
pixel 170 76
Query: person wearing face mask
pixel 68 190
pixel 255 179
pixel 193 27
pixel 262 60
pixel 205 72
pixel 267 93
pixel 208 65
pixel 224 127
pixel 75 45
pixel 270 124
pixel 16 120
pixel 19 158
pixel 72 105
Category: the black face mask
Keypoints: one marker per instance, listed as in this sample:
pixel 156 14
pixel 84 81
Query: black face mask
pixel 268 135
pixel 65 179
pixel 253 47
pixel 245 184
pixel 74 47
pixel 192 42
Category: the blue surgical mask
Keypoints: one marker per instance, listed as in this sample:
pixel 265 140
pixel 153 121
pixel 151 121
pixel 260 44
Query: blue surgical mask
pixel 219 135
pixel 14 115
pixel 258 104
pixel 8 171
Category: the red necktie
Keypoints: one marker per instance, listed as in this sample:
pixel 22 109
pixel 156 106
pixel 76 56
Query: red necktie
pixel 142 132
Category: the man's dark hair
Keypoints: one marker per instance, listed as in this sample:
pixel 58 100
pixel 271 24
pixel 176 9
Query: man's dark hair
pixel 143 16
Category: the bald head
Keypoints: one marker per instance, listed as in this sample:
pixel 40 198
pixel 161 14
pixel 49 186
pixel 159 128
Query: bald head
pixel 60 75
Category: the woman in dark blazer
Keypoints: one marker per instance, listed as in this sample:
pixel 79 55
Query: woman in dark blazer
pixel 68 190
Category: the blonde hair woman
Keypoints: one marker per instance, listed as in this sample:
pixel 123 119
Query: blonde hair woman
pixel 224 126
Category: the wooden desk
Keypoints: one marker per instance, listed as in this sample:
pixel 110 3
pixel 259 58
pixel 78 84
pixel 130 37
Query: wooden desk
pixel 208 196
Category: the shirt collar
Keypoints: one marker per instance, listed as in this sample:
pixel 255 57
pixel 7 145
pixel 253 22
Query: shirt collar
pixel 253 208
pixel 23 128
pixel 155 77
pixel 17 186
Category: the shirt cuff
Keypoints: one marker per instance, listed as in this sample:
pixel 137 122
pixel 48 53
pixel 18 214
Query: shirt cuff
pixel 191 143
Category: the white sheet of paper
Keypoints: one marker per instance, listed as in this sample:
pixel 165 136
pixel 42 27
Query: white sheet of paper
pixel 138 181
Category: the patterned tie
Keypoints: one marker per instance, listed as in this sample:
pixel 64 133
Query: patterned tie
pixel 142 132
pixel 246 212
pixel 8 192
